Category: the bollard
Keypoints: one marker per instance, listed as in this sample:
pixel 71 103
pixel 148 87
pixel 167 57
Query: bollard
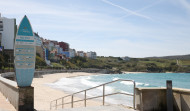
pixel 169 94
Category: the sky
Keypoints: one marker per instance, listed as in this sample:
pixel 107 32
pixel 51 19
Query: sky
pixel 134 28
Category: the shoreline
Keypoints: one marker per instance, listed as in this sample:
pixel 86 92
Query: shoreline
pixel 44 94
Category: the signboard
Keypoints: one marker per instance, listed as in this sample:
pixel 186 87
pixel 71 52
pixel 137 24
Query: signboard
pixel 25 54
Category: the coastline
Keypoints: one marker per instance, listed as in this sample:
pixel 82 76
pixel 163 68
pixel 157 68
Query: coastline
pixel 126 72
pixel 44 94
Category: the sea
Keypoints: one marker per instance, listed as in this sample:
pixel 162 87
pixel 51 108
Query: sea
pixel 75 84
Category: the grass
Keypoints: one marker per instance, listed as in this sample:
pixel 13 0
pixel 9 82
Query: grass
pixel 56 65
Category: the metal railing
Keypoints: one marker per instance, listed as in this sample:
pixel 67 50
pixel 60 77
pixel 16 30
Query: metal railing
pixel 62 99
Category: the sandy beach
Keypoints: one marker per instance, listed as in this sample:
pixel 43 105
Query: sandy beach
pixel 43 94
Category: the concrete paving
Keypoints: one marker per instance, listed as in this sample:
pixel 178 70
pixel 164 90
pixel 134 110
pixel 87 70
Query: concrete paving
pixel 5 105
pixel 100 108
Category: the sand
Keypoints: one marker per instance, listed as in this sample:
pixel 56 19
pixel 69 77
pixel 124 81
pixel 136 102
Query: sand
pixel 44 94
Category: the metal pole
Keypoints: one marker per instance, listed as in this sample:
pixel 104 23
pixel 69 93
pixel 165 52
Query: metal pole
pixel 9 66
pixel 169 94
pixel 85 98
pixel 103 94
pixel 56 105
pixel 50 105
pixel 134 95
pixel 72 101
pixel 62 103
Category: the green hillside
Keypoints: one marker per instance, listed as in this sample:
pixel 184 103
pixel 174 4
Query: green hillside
pixel 154 64
pixel 134 64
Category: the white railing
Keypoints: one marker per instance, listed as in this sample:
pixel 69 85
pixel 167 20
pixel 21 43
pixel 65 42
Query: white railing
pixel 54 104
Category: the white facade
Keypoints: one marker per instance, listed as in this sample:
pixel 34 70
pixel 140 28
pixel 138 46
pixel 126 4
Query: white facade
pixel 8 32
pixel 125 58
pixel 91 55
pixel 37 40
pixel 51 46
pixel 72 53
pixel 80 53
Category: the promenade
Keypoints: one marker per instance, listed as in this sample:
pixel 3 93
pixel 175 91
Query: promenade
pixel 99 108
pixel 5 105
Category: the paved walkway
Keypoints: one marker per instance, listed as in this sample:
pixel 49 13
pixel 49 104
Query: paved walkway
pixel 99 108
pixel 5 105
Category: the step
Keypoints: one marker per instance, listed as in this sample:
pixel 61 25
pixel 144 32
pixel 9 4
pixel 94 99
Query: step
pixel 99 108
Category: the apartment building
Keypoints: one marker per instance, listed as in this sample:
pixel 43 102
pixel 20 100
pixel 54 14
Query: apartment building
pixel 64 45
pixel 72 53
pixel 7 34
pixel 91 55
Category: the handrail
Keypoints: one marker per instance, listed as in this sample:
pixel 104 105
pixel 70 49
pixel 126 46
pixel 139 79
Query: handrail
pixel 85 97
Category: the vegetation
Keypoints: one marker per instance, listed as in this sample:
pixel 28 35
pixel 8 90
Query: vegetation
pixel 134 64
pixel 112 63
pixel 40 62
pixel 5 61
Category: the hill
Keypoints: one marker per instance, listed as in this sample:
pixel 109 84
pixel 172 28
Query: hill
pixel 181 57
pixel 133 64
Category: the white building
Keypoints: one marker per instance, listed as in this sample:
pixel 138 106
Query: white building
pixel 51 46
pixel 58 49
pixel 37 39
pixel 80 53
pixel 72 53
pixel 125 58
pixel 91 55
pixel 7 32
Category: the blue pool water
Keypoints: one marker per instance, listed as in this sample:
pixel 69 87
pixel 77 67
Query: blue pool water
pixel 71 85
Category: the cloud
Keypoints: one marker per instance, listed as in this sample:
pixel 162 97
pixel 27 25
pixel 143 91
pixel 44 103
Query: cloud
pixel 89 29
pixel 127 10
pixel 186 4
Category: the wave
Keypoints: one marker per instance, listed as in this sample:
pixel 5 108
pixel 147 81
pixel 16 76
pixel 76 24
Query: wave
pixel 141 84
pixel 86 82
pixel 131 83
pixel 116 78
pixel 126 82
pixel 125 92
pixel 72 85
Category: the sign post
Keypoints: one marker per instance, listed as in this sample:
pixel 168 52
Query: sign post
pixel 24 61
pixel 25 54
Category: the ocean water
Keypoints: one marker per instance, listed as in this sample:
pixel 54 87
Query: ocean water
pixel 72 85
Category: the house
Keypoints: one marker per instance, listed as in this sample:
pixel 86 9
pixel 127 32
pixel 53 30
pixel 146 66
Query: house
pixel 125 58
pixel 91 55
pixel 64 45
pixel 80 53
pixel 72 53
pixel 39 47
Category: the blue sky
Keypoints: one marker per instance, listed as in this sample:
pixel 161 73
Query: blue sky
pixel 135 28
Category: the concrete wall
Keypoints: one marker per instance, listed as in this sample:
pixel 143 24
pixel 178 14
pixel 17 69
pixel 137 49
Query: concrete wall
pixel 181 99
pixel 10 90
pixel 154 99
pixel 21 98
pixel 151 99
